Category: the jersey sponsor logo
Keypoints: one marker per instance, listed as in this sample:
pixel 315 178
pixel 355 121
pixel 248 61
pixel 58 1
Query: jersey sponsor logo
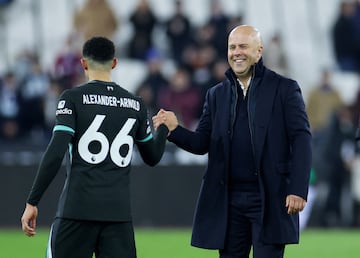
pixel 64 111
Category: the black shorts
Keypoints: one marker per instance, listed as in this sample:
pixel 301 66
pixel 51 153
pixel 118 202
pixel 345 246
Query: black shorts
pixel 82 239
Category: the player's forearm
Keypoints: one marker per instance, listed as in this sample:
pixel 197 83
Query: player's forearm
pixel 48 168
pixel 152 151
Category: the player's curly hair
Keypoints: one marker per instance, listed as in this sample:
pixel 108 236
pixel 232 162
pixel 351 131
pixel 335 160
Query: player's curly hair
pixel 99 49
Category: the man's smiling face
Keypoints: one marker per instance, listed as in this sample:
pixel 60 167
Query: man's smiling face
pixel 244 50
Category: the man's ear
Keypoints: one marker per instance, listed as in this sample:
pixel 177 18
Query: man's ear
pixel 84 64
pixel 114 63
pixel 260 50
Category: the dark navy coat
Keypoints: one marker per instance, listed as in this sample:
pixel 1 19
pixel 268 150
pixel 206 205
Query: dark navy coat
pixel 281 142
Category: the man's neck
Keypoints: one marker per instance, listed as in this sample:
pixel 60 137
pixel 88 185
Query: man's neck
pixel 99 76
pixel 245 81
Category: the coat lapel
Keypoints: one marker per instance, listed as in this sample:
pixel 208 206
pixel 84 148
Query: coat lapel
pixel 261 109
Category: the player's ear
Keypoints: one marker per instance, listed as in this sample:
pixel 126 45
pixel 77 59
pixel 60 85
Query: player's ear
pixel 84 64
pixel 114 63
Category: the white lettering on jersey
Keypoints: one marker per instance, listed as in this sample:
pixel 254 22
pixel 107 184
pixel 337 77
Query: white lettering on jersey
pixel 103 100
pixel 64 111
pixel 92 99
pixel 129 103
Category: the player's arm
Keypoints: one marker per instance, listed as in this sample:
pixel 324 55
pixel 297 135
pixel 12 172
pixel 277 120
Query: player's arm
pixel 194 142
pixel 49 165
pixel 152 150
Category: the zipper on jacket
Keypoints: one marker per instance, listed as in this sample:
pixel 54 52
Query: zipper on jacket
pixel 250 119
pixel 233 117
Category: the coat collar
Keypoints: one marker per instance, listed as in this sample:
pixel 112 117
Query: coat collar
pixel 263 90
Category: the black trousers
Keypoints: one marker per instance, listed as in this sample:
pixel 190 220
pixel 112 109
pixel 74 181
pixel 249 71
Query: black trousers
pixel 82 239
pixel 244 229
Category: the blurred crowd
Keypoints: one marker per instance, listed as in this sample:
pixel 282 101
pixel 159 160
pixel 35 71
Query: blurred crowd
pixel 336 163
pixel 29 92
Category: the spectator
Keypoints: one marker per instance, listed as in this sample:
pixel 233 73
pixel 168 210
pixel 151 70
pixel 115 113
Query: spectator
pixel 276 58
pixel 234 21
pixel 201 66
pixel 181 97
pixel 357 31
pixel 345 40
pixel 153 82
pixel 33 91
pixel 143 21
pixel 204 35
pixel 95 18
pixel 67 66
pixel 323 100
pixel 23 63
pixel 9 107
pixel 338 136
pixel 200 53
pixel 178 29
pixel 219 21
pixel 218 70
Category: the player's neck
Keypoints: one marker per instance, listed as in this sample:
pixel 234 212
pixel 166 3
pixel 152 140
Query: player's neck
pixel 99 76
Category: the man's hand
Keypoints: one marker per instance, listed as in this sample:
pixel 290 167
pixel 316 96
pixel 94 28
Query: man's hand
pixel 28 220
pixel 294 204
pixel 165 117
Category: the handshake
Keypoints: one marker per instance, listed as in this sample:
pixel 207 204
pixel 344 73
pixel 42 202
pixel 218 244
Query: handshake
pixel 165 117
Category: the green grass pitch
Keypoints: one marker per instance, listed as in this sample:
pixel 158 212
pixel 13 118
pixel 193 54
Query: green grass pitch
pixel 174 243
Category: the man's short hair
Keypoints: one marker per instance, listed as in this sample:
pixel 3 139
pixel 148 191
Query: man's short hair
pixel 99 49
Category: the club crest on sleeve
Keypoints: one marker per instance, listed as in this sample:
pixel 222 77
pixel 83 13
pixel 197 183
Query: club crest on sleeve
pixel 61 104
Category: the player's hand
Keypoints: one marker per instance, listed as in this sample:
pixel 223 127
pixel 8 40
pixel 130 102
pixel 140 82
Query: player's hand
pixel 165 117
pixel 294 204
pixel 28 220
pixel 158 119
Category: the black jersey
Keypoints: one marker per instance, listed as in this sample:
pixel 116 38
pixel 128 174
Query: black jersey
pixel 105 121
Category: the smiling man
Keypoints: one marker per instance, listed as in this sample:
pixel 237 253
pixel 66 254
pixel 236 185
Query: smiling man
pixel 256 132
pixel 244 50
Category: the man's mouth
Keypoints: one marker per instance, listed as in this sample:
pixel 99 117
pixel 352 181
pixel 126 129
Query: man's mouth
pixel 239 61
